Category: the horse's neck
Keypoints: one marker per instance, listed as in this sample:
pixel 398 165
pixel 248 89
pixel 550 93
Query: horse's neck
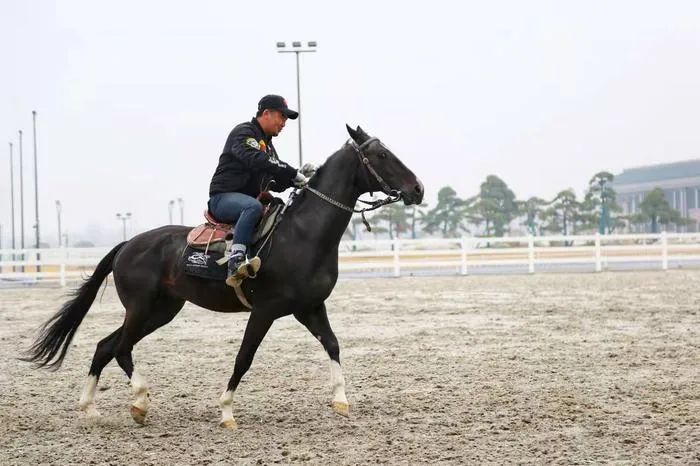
pixel 325 223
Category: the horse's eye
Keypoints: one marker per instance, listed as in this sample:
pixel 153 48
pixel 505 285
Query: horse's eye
pixel 382 155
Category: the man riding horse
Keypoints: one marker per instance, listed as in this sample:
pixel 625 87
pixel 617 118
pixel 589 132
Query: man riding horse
pixel 152 284
pixel 248 166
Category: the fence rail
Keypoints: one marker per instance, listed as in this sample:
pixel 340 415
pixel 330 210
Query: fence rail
pixel 460 255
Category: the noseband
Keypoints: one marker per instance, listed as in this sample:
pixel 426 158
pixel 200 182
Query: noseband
pixel 394 195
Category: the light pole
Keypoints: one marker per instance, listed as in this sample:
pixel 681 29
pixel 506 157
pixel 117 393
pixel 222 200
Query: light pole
pixel 171 205
pixel 36 192
pixel 181 203
pixel 12 200
pixel 297 49
pixel 59 207
pixel 21 201
pixel 36 182
pixel 21 197
pixel 124 218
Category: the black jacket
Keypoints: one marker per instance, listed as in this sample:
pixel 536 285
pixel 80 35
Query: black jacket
pixel 249 162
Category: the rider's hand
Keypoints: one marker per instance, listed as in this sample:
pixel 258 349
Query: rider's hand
pixel 300 180
pixel 308 169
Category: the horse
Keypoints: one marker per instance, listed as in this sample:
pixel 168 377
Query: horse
pixel 299 272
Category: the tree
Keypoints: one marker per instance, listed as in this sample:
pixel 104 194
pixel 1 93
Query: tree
pixel 417 213
pixel 532 209
pixel 352 231
pixel 601 197
pixel 656 210
pixel 587 217
pixel 396 217
pixel 562 213
pixel 448 215
pixel 496 205
pixel 375 223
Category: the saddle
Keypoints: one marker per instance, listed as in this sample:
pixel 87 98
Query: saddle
pixel 208 245
pixel 214 235
pixel 210 235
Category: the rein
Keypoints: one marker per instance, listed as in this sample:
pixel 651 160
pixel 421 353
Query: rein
pixel 393 196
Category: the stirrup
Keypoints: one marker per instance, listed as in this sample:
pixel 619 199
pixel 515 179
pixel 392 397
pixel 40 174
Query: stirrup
pixel 248 269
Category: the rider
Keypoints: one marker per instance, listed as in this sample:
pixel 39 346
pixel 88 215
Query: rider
pixel 246 168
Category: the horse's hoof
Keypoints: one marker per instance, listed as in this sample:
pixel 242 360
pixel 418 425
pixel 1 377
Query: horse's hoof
pixel 139 415
pixel 91 412
pixel 341 408
pixel 229 424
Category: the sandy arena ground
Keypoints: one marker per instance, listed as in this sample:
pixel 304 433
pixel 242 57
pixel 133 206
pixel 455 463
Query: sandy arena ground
pixel 581 368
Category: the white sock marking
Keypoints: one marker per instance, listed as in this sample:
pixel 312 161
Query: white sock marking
pixel 139 388
pixel 87 399
pixel 338 383
pixel 226 404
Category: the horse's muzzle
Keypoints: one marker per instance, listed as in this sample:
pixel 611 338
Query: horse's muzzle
pixel 414 195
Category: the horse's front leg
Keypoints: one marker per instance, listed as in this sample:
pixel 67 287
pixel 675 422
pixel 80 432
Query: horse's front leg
pixel 316 321
pixel 258 325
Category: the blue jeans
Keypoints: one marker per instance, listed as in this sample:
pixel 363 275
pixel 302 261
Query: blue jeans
pixel 241 209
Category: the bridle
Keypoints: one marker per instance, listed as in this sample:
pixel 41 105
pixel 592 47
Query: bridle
pixel 393 196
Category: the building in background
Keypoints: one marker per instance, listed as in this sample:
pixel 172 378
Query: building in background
pixel 680 182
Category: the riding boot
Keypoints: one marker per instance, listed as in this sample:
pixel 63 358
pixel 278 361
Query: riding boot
pixel 240 267
pixel 236 261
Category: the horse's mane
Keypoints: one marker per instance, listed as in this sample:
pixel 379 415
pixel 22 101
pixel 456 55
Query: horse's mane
pixel 323 166
pixel 320 170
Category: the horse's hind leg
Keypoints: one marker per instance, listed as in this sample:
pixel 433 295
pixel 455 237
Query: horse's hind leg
pixel 103 354
pixel 316 322
pixel 140 322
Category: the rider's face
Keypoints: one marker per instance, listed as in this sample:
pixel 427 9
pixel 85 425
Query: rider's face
pixel 274 122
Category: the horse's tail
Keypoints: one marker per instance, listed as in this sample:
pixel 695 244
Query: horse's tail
pixel 57 333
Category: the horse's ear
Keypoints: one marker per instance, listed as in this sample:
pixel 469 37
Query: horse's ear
pixel 362 135
pixel 353 134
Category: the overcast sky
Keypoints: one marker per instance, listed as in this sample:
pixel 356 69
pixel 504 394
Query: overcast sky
pixel 136 98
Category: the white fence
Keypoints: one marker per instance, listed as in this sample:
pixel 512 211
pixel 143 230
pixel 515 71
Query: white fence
pixel 458 255
pixel 530 253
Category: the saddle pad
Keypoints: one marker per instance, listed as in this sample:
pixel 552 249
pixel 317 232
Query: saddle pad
pixel 199 264
pixel 267 222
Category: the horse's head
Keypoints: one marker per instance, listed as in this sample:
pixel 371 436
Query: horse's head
pixel 383 171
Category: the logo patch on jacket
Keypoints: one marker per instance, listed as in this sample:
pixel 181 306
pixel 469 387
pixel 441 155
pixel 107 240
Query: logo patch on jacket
pixel 252 143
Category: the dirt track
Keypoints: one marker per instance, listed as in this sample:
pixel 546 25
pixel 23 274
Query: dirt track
pixel 578 368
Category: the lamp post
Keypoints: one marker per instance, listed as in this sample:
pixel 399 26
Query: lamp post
pixel 36 192
pixel 124 218
pixel 21 196
pixel 59 207
pixel 181 203
pixel 12 200
pixel 36 182
pixel 21 200
pixel 171 205
pixel 297 48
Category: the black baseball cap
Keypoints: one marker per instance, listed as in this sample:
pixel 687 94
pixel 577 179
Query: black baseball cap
pixel 277 102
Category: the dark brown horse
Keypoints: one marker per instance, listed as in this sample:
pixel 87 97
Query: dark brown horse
pixel 299 271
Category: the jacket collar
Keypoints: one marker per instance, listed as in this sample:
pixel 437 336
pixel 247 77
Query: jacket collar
pixel 256 123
